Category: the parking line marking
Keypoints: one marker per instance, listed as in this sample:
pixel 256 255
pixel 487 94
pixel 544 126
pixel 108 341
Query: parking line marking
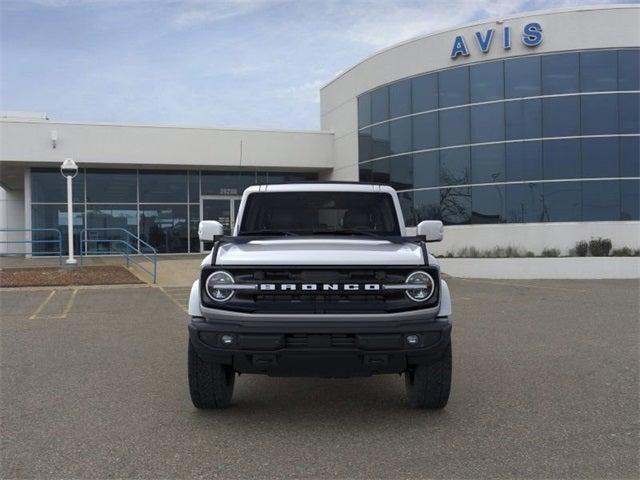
pixel 42 305
pixel 67 308
pixel 170 297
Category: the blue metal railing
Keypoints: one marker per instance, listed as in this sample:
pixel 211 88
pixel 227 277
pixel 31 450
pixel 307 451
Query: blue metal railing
pixel 31 241
pixel 128 250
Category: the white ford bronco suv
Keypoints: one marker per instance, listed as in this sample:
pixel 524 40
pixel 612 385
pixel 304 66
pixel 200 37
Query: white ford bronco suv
pixel 320 280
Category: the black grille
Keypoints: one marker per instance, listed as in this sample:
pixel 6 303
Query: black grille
pixel 320 341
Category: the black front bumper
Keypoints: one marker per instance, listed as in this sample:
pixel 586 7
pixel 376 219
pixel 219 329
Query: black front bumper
pixel 320 350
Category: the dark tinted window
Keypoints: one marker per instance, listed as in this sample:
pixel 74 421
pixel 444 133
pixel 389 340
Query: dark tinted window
pixel 365 145
pixel 522 77
pixel 599 114
pixel 523 119
pixel 365 172
pixel 630 200
pixel 424 90
pixel 427 205
pixel 488 204
pixel 455 205
pixel 380 140
pixel 630 157
pixel 230 183
pixel 487 164
pixel 380 104
pixel 629 113
pixel 48 185
pixel 401 172
pixel 454 87
pixel 561 159
pixel 600 200
pixel 163 186
pixel 426 169
pixel 165 227
pixel 425 131
pixel 117 186
pixel 600 157
pixel 562 201
pixel 560 73
pixel 381 171
pixel 629 70
pixel 524 203
pixel 320 211
pixel 454 127
pixel 599 71
pixel 406 205
pixel 194 186
pixel 400 135
pixel 523 161
pixel 561 116
pixel 55 217
pixel 194 220
pixel 455 166
pixel 487 81
pixel 364 110
pixel 115 218
pixel 400 98
pixel 487 123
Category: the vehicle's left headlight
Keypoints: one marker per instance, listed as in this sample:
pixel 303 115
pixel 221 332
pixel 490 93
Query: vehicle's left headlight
pixel 425 286
pixel 215 286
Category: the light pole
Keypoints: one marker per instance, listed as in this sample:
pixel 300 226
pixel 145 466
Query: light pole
pixel 69 169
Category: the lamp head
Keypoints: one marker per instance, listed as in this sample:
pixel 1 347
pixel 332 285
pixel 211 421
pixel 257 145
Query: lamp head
pixel 69 168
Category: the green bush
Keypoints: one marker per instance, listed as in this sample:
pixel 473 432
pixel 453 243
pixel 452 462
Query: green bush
pixel 550 252
pixel 625 252
pixel 600 247
pixel 581 248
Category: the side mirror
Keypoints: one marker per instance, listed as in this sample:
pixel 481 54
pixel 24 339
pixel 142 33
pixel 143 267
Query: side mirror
pixel 207 229
pixel 431 229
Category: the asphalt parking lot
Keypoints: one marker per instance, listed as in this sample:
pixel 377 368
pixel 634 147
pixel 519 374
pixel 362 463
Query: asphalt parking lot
pixel 94 385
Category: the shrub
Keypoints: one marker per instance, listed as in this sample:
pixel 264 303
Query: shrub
pixel 625 252
pixel 600 247
pixel 550 252
pixel 581 248
pixel 529 253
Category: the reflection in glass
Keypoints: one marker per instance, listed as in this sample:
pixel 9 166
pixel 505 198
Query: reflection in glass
pixel 487 164
pixel 629 69
pixel 523 119
pixel 629 113
pixel 523 161
pixel 365 145
pixel 488 204
pixel 426 204
pixel 560 73
pixel 54 216
pixel 600 200
pixel 561 159
pixel 455 205
pixel 165 227
pixel 562 202
pixel 400 98
pixel 400 135
pixel 487 81
pixel 455 166
pixel 194 221
pixel 561 116
pixel 194 186
pixel 49 186
pixel 114 218
pixel 599 71
pixel 226 183
pixel 630 200
pixel 163 186
pixel 380 104
pixel 522 77
pixel 380 140
pixel 487 123
pixel 454 127
pixel 454 87
pixel 426 169
pixel 112 186
pixel 424 92
pixel 406 205
pixel 364 110
pixel 524 203
pixel 630 156
pixel 401 172
pixel 381 171
pixel 600 157
pixel 365 172
pixel 599 114
pixel 425 131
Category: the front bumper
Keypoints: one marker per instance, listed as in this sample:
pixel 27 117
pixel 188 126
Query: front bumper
pixel 318 347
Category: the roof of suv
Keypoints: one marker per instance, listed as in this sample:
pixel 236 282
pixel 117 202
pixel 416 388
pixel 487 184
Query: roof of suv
pixel 321 187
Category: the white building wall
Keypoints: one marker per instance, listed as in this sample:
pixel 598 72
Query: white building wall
pixel 11 217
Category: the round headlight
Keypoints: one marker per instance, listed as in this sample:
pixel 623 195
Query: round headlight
pixel 424 286
pixel 215 286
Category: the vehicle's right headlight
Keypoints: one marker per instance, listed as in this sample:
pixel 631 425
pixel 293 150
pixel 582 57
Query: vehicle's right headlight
pixel 425 286
pixel 215 286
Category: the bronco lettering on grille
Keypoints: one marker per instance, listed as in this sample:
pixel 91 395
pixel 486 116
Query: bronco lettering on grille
pixel 314 287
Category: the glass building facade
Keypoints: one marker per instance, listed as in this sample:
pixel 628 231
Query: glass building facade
pixel 541 138
pixel 161 207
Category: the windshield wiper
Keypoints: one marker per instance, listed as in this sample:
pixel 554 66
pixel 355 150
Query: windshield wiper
pixel 266 231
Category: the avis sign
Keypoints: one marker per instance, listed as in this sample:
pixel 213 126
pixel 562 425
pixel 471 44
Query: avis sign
pixel 531 37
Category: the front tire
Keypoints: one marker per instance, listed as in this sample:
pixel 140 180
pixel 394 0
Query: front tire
pixel 210 384
pixel 428 385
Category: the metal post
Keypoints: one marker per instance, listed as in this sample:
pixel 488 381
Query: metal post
pixel 70 260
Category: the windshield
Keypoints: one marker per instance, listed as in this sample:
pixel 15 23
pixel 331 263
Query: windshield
pixel 330 213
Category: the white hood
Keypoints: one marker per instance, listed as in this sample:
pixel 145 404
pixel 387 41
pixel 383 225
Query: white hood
pixel 325 251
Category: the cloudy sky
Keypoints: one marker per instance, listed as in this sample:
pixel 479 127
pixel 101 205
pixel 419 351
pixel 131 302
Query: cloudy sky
pixel 227 63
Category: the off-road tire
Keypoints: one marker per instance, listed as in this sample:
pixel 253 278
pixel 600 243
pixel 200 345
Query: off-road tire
pixel 428 385
pixel 210 384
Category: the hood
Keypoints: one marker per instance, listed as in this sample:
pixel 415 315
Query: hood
pixel 325 251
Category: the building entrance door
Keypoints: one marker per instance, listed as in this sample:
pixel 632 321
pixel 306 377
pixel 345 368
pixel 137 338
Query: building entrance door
pixel 220 208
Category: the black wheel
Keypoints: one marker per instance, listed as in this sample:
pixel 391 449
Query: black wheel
pixel 428 385
pixel 210 384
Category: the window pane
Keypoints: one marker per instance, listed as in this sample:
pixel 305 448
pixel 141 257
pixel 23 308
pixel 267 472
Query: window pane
pixel 163 186
pixel 54 216
pixel 425 131
pixel 424 92
pixel 600 201
pixel 194 220
pixel 194 186
pixel 401 172
pixel 630 157
pixel 48 185
pixel 599 114
pixel 400 135
pixel 381 171
pixel 629 70
pixel 522 77
pixel 599 71
pixel 454 166
pixel 228 183
pixel 427 205
pixel 380 141
pixel 380 105
pixel 364 172
pixel 488 204
pixel 426 169
pixel 523 161
pixel 115 218
pixel 365 145
pixel 562 202
pixel 524 203
pixel 454 87
pixel 117 186
pixel 561 116
pixel 629 113
pixel 454 127
pixel 364 110
pixel 560 73
pixel 630 200
pixel 487 123
pixel 523 119
pixel 487 164
pixel 487 81
pixel 600 157
pixel 400 98
pixel 455 205
pixel 165 227
pixel 561 159
pixel 406 205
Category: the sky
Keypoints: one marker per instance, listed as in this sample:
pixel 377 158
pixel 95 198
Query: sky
pixel 218 63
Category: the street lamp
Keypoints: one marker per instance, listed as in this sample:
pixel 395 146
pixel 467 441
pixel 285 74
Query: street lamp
pixel 69 169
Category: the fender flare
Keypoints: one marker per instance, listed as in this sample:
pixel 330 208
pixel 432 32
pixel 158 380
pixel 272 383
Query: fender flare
pixel 194 300
pixel 445 300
